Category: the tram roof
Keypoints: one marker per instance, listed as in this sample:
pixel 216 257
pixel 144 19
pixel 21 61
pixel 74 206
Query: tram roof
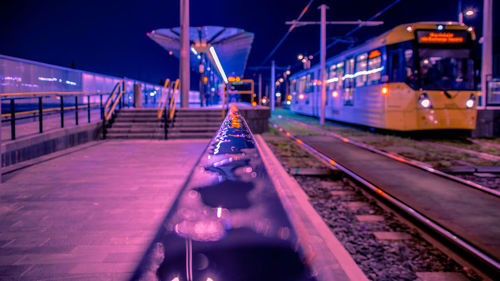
pixel 392 36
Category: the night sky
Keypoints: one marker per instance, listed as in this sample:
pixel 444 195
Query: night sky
pixel 109 37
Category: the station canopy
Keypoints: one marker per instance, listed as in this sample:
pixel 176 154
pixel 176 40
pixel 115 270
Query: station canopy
pixel 227 48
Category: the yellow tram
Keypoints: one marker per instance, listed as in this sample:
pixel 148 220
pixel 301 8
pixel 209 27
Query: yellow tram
pixel 417 76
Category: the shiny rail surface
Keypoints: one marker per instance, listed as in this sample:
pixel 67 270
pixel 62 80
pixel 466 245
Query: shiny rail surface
pixel 484 262
pixel 227 222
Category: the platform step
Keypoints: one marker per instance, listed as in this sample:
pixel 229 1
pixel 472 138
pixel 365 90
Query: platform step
pixel 190 135
pixel 196 124
pixel 136 116
pixel 134 136
pixel 198 114
pixel 137 124
pixel 197 119
pixel 135 130
pixel 136 120
pixel 132 110
pixel 210 130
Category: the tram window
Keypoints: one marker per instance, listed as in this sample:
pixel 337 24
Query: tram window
pixel 361 69
pixel 348 80
pixel 302 85
pixel 332 76
pixel 374 67
pixel 446 69
pixel 308 83
pixel 340 74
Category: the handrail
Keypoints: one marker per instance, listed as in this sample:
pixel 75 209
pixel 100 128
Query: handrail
pixel 47 110
pixel 120 94
pixel 171 107
pixel 163 99
pixel 52 94
pixel 111 97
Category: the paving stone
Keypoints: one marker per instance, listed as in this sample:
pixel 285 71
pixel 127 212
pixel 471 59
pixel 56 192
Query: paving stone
pixel 392 235
pixel 441 276
pixel 12 272
pixel 9 259
pixel 60 258
pixel 369 218
pixel 64 217
pixel 104 268
pixel 47 271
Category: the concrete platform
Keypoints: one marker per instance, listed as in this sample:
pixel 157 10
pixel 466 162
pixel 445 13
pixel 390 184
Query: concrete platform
pixel 90 214
pixel 327 257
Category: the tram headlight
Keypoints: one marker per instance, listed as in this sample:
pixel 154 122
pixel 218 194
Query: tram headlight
pixel 471 101
pixel 424 101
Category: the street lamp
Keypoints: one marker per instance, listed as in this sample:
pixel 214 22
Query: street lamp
pixel 305 60
pixel 470 12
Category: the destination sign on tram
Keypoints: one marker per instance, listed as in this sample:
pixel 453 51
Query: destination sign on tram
pixel 442 37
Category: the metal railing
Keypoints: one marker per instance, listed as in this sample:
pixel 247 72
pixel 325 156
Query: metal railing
pixel 81 101
pixel 171 107
pixel 167 97
pixel 114 99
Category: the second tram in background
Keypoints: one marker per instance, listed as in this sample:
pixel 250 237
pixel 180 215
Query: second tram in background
pixel 417 76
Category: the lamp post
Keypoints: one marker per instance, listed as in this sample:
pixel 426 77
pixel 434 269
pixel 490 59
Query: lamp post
pixel 460 12
pixel 184 54
pixel 273 86
pixel 487 47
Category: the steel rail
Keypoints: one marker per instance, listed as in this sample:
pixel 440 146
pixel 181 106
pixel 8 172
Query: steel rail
pixel 490 263
pixel 399 158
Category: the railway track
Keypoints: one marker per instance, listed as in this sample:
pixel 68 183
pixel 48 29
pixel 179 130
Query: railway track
pixel 399 158
pixel 461 215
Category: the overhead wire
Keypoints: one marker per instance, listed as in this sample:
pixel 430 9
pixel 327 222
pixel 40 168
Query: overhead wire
pixel 360 26
pixel 287 33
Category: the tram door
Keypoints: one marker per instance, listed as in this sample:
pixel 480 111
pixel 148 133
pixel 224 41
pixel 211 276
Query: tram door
pixel 396 63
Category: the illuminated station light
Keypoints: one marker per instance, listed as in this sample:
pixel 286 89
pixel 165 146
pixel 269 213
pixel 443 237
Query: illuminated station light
pixel 217 64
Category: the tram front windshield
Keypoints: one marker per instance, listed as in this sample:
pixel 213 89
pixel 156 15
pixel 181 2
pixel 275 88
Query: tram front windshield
pixel 446 69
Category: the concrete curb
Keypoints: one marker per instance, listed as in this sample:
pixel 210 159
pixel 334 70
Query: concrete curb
pixel 328 258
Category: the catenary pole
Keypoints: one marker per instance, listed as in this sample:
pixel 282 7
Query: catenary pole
pixel 487 57
pixel 184 54
pixel 322 59
pixel 272 85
